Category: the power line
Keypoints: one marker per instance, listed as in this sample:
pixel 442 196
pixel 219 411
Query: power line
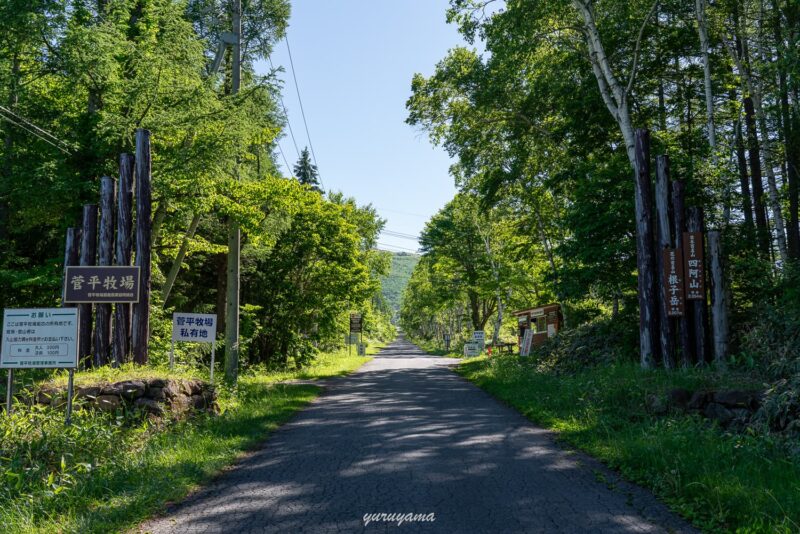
pixel 400 235
pixel 401 248
pixel 31 128
pixel 283 156
pixel 286 114
pixel 302 111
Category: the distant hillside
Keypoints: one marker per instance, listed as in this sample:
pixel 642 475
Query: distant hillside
pixel 395 282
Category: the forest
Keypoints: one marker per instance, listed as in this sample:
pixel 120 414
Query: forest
pixel 541 126
pixel 78 77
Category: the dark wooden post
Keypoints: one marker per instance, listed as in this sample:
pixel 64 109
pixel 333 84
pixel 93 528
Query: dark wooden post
pixel 648 300
pixel 719 299
pixel 679 226
pixel 72 255
pixel 122 312
pixel 694 223
pixel 141 310
pixel 105 256
pixel 663 241
pixel 88 257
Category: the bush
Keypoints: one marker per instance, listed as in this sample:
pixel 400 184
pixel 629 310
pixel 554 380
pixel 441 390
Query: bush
pixel 601 341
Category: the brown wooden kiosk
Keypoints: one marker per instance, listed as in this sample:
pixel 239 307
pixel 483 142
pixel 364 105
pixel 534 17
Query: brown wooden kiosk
pixel 545 321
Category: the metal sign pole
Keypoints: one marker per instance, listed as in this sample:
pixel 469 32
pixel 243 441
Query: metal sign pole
pixel 70 387
pixel 9 390
pixel 213 349
pixel 172 355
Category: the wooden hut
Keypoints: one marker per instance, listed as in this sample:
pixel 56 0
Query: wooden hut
pixel 545 321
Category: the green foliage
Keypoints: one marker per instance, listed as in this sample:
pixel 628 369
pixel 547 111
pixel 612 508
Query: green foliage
pixel 720 481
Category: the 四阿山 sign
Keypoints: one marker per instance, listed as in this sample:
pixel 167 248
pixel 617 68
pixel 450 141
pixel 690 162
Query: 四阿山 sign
pixel 92 283
pixel 40 338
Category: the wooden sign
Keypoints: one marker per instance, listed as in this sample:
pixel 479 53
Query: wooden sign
pixel 694 265
pixel 88 284
pixel 673 282
pixel 355 323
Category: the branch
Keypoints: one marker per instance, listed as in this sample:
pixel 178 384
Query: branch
pixel 638 47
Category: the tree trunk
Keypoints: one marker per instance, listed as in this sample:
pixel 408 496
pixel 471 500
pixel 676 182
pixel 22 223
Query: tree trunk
pixel 88 257
pixel 762 231
pixel 176 265
pixel 702 30
pixel 122 311
pixel 140 334
pixel 679 226
pixel 719 300
pixel 744 183
pixel 664 241
pixel 102 331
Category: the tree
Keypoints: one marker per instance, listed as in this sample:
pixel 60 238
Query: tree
pixel 306 172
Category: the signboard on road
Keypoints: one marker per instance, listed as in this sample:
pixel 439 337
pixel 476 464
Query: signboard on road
pixel 40 338
pixel 479 336
pixel 362 349
pixel 196 327
pixel 472 349
pixel 88 284
pixel 527 340
pixel 447 342
pixel 355 323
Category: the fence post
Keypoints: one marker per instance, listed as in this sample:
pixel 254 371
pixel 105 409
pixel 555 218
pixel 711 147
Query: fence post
pixel 72 255
pixel 695 223
pixel 141 310
pixel 664 241
pixel 679 226
pixel 122 311
pixel 87 257
pixel 648 315
pixel 102 330
pixel 719 300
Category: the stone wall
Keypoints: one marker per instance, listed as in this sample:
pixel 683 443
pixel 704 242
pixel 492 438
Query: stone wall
pixel 156 396
pixel 729 408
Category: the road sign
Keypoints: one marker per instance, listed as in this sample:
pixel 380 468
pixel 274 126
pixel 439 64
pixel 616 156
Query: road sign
pixel 194 328
pixel 355 323
pixel 472 349
pixel 447 342
pixel 40 338
pixel 479 336
pixel 362 349
pixel 527 340
pixel 89 284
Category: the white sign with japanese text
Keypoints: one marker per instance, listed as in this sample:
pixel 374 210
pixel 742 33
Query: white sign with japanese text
pixel 196 327
pixel 472 349
pixel 40 338
pixel 479 337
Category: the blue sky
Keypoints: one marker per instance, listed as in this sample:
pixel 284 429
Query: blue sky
pixel 354 60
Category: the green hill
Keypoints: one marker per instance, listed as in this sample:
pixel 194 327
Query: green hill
pixel 395 282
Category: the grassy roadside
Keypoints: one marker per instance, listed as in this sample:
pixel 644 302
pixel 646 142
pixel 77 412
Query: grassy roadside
pixel 727 482
pixel 109 472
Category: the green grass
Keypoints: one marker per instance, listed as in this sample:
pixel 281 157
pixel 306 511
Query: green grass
pixel 720 481
pixel 109 472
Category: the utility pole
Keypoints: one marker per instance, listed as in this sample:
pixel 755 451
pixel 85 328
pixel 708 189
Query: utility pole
pixel 234 233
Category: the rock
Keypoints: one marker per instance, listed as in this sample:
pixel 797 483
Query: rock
pixel 209 394
pixel 46 395
pixel 180 403
pixel 742 414
pixel 160 383
pixel 718 412
pixel 90 392
pixel 156 394
pixel 736 399
pixel 655 404
pixel 679 398
pixel 172 389
pixel 112 389
pixel 699 400
pixel 108 403
pixel 186 387
pixel 132 389
pixel 150 406
pixel 197 387
pixel 198 402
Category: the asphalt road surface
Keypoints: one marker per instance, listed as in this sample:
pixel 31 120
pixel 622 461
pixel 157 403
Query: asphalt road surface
pixel 406 436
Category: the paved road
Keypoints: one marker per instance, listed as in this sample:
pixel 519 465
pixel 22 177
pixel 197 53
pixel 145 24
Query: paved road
pixel 405 435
